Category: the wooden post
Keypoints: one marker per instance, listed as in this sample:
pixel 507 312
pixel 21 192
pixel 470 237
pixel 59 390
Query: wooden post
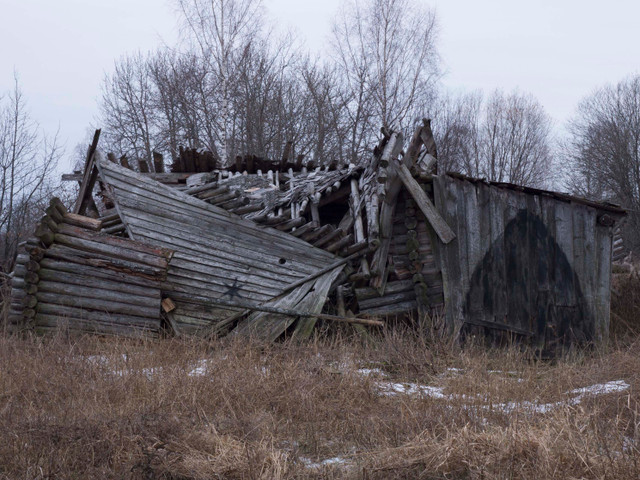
pixel 158 162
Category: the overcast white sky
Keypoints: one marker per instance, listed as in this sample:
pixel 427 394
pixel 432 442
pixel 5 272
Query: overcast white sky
pixel 558 50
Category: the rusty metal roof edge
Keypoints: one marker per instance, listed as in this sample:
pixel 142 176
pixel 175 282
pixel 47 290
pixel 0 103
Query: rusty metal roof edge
pixel 609 207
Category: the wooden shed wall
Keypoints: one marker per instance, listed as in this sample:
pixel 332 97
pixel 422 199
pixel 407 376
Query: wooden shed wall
pixel 523 263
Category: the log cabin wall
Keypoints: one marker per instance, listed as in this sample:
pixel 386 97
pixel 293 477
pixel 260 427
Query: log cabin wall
pixel 72 276
pixel 531 265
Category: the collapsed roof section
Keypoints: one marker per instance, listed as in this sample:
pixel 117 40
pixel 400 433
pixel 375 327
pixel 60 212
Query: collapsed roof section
pixel 217 255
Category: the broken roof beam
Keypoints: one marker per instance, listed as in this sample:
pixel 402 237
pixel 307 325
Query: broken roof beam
pixel 89 177
pixel 441 228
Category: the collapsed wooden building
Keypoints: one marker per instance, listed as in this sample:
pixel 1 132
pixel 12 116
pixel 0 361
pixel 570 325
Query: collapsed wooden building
pixel 269 248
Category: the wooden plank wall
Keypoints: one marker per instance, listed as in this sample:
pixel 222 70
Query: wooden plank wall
pixel 218 255
pixel 523 264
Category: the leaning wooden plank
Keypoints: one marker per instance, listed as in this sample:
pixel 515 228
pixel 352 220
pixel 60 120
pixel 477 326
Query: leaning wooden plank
pixel 86 188
pixel 260 324
pixel 313 302
pixel 441 228
pixel 89 177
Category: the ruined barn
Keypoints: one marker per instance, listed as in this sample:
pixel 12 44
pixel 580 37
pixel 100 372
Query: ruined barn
pixel 268 248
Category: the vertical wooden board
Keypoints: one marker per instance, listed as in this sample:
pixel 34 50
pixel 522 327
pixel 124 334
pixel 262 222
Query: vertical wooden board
pixel 583 292
pixel 564 275
pixel 463 188
pixel 603 283
pixel 474 212
pixel 445 196
pixel 534 252
pixel 590 264
pixel 545 317
pixel 513 250
pixel 497 198
pixel 479 300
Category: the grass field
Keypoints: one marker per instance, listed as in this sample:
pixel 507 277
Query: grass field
pixel 393 407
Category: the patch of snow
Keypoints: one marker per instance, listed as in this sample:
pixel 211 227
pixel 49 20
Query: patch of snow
pixel 579 394
pixel 201 368
pixel 601 388
pixel 334 461
pixel 369 372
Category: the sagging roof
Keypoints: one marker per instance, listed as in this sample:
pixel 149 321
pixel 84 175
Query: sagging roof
pixel 217 255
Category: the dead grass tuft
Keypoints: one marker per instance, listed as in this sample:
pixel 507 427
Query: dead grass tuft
pixel 336 407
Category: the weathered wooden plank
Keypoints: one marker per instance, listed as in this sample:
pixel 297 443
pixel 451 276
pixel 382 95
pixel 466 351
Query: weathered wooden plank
pixel 98 304
pixel 447 202
pixel 159 255
pixel 565 290
pixel 111 250
pixel 428 209
pixel 98 283
pixel 603 251
pixel 132 184
pixel 82 221
pixel 98 316
pixel 387 299
pixel 90 175
pixel 99 272
pixel 392 287
pixel 94 259
pixel 103 294
pixel 313 303
pixel 401 308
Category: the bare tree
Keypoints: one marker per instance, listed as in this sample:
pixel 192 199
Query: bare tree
pixel 220 29
pixel 603 150
pixel 386 55
pixel 27 159
pixel 127 108
pixel 504 138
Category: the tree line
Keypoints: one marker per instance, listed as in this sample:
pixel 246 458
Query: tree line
pixel 234 86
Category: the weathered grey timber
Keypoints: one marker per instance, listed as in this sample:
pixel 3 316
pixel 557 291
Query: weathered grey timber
pixel 538 265
pixel 218 255
pixel 386 236
pixel 86 281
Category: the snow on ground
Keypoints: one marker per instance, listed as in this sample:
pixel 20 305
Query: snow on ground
pixel 389 388
pixel 577 395
pixel 334 461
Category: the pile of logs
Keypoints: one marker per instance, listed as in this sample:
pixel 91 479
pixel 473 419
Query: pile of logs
pixel 72 275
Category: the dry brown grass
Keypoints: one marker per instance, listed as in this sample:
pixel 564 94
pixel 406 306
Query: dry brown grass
pixel 92 408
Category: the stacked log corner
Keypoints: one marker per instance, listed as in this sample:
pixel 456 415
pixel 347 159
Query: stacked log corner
pixel 71 276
